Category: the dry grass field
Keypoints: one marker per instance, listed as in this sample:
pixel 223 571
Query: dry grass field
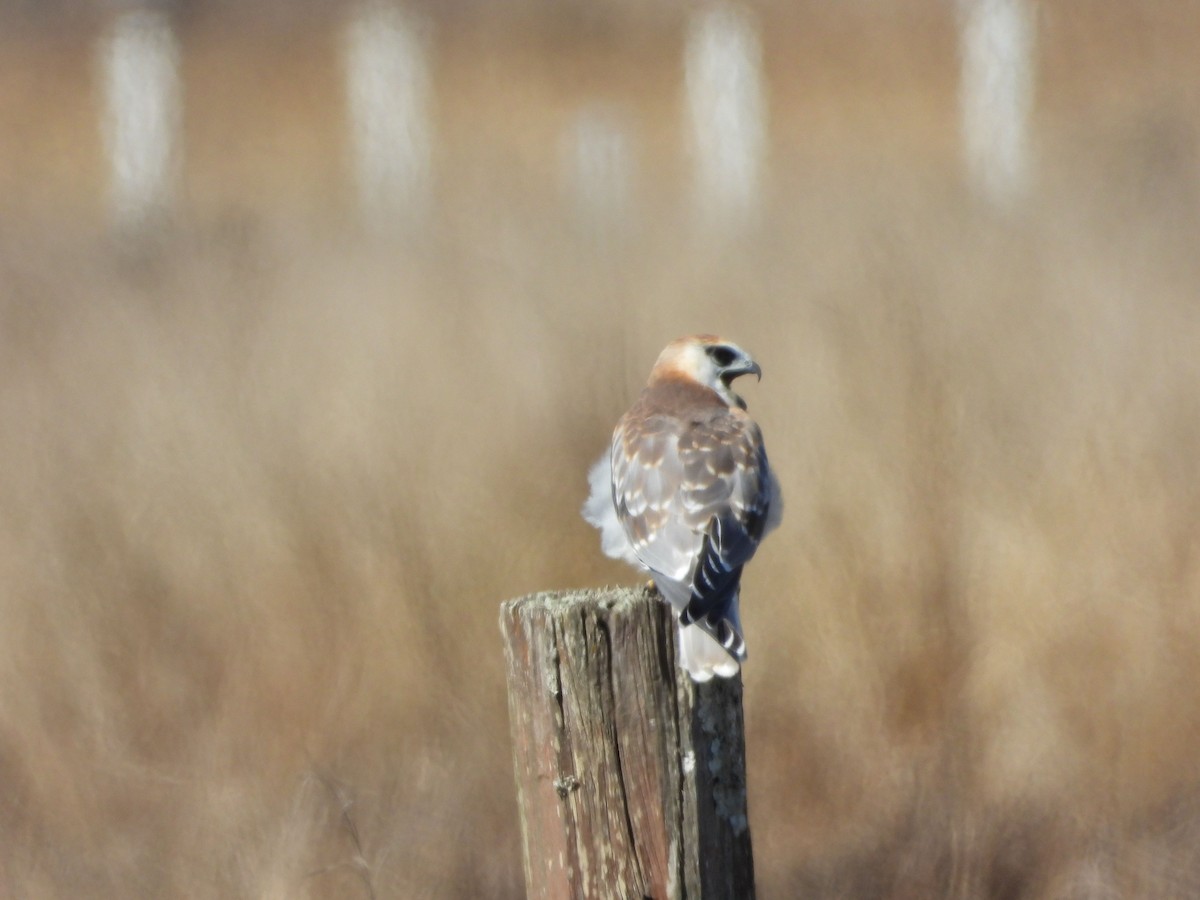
pixel 266 476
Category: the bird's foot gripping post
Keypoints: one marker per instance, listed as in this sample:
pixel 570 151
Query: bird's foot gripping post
pixel 631 778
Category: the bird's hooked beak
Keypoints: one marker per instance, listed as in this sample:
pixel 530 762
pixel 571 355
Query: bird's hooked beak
pixel 744 366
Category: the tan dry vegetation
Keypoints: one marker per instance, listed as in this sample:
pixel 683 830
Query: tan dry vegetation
pixel 266 480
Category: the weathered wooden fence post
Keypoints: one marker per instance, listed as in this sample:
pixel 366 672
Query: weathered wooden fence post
pixel 631 778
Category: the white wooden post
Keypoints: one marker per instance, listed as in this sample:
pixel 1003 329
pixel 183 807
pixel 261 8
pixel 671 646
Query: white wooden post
pixel 996 95
pixel 388 97
pixel 143 115
pixel 598 165
pixel 726 111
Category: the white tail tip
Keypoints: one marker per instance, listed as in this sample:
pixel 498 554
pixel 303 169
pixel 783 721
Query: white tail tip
pixel 703 657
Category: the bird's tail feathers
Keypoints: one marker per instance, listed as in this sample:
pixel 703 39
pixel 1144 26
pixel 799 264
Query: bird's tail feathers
pixel 708 645
pixel 706 649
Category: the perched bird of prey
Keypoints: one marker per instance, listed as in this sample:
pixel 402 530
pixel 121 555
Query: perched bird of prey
pixel 686 494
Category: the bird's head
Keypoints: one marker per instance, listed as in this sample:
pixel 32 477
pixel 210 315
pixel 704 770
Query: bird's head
pixel 708 360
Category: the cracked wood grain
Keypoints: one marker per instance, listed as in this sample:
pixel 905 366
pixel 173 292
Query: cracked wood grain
pixel 631 778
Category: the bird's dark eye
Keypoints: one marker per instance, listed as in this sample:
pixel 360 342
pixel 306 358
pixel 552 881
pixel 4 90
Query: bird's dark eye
pixel 722 356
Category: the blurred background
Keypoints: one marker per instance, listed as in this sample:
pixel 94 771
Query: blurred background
pixel 313 316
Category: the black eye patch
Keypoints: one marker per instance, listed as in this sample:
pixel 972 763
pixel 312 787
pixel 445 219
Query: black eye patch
pixel 722 356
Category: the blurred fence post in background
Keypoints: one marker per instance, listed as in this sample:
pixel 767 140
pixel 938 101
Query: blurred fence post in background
pixel 598 167
pixel 388 88
pixel 631 778
pixel 726 112
pixel 143 115
pixel 996 40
